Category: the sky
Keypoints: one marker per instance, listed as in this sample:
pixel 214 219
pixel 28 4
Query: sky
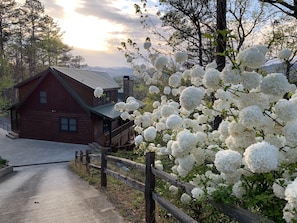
pixel 95 28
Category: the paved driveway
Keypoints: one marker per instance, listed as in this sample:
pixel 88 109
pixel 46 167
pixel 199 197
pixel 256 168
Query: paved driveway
pixel 27 151
pixel 48 193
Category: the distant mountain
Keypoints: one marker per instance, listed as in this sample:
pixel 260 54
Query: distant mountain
pixel 113 71
pixel 276 66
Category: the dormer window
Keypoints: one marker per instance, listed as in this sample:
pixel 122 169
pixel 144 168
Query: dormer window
pixel 42 97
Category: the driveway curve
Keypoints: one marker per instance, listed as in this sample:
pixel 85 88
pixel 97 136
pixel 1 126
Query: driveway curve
pixel 48 193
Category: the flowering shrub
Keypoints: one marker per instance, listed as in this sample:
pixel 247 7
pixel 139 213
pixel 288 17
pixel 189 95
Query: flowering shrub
pixel 252 155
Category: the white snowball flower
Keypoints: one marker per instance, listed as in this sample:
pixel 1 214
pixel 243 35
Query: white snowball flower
pixel 197 71
pixel 167 110
pixel 132 105
pixel 150 133
pixel 154 90
pixel 147 45
pixel 156 104
pixel 251 57
pixel 212 65
pixel 186 162
pixel 278 190
pixel 290 133
pixel 284 54
pixel 161 62
pixel 263 49
pixel 238 189
pixel 181 57
pixel 227 161
pixel 138 140
pixel 120 106
pixel 175 91
pixel 167 90
pixel 291 193
pixel 250 80
pixel 186 140
pixel 286 110
pixel 98 92
pixel 125 115
pixel 191 97
pixel 197 193
pixel 230 75
pixel 173 189
pixel 275 84
pixel 185 198
pixel 186 75
pixel 261 157
pixel 199 155
pixel 289 213
pixel 211 78
pixel 223 128
pixel 251 117
pixel 174 121
pixel 232 177
pixel 159 165
pixel 175 79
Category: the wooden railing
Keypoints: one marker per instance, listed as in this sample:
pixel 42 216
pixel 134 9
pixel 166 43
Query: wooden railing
pixel 148 188
pixel 116 134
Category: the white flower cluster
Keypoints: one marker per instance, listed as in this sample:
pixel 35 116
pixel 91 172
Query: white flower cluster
pixel 98 92
pixel 290 211
pixel 284 54
pixel 261 157
pixel 228 161
pixel 258 133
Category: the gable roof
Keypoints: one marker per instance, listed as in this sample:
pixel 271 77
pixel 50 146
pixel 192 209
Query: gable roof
pixel 89 78
pixel 103 81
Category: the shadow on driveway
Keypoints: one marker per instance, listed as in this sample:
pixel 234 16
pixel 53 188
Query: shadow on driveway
pixel 28 151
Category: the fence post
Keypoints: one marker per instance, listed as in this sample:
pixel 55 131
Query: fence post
pixel 81 156
pixel 88 160
pixel 76 155
pixel 103 167
pixel 149 188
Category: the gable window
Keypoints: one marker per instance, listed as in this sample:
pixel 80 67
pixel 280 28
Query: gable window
pixel 42 97
pixel 68 124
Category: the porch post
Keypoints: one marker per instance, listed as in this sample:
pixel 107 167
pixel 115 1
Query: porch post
pixel 110 130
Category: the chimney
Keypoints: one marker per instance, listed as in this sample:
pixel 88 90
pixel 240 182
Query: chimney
pixel 128 83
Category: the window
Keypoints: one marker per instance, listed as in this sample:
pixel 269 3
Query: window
pixel 42 97
pixel 68 124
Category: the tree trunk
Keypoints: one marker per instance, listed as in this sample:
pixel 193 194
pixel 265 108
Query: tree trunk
pixel 221 41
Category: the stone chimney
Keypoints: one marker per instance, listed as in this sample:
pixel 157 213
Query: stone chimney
pixel 128 83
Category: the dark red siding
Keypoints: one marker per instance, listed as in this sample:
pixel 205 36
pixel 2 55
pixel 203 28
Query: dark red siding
pixel 83 91
pixel 42 121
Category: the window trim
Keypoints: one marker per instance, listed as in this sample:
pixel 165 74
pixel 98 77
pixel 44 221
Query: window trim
pixel 42 97
pixel 68 124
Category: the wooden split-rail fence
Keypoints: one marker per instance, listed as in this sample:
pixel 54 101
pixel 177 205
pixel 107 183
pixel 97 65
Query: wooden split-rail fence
pixel 148 188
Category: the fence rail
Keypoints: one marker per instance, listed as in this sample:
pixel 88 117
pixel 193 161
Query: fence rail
pixel 148 188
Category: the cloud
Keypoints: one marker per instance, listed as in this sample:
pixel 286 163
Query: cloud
pixel 102 58
pixel 104 9
pixel 53 9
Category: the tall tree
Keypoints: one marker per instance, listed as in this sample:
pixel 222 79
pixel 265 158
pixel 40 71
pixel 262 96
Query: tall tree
pixel 287 7
pixel 51 47
pixel 202 31
pixel 221 38
pixel 6 10
pixel 6 83
pixel 34 14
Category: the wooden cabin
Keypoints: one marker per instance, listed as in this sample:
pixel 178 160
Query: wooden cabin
pixel 58 104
